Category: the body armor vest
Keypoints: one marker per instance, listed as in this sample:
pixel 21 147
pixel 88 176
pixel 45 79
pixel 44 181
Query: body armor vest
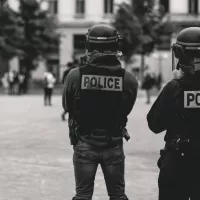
pixel 101 100
pixel 189 108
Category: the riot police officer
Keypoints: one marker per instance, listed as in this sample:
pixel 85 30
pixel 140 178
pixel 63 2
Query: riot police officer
pixel 177 111
pixel 99 96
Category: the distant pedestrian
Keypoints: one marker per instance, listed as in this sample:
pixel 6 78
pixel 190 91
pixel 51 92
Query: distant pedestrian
pixel 22 77
pixel 5 84
pixel 11 82
pixel 49 81
pixel 16 83
pixel 70 66
pixel 148 83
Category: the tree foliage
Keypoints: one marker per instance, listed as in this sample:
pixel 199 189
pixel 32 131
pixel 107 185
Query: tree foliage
pixel 40 37
pixel 11 33
pixel 140 25
pixel 129 29
pixel 153 21
pixel 29 32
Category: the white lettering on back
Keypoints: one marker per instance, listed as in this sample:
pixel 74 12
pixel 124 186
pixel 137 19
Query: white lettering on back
pixel 97 82
pixel 191 99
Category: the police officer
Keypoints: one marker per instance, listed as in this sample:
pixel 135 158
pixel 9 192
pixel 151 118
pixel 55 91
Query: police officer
pixel 177 111
pixel 99 96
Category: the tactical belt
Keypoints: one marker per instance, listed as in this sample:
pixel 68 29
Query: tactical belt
pixel 101 132
pixel 98 133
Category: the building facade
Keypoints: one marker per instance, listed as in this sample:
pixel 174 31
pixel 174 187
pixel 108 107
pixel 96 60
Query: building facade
pixel 75 17
pixel 182 14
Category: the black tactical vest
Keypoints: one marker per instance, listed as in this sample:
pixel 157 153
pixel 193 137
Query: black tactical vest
pixel 100 100
pixel 189 108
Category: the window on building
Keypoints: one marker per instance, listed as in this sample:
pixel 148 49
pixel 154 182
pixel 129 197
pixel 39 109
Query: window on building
pixel 79 42
pixel 193 6
pixel 53 6
pixel 80 6
pixel 165 4
pixel 108 6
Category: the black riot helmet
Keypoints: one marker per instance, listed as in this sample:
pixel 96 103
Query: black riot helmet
pixel 102 37
pixel 187 50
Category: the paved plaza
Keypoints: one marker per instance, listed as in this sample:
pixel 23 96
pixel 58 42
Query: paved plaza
pixel 36 156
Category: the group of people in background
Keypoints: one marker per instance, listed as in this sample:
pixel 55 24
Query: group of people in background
pixel 14 82
pixel 151 80
pixel 50 80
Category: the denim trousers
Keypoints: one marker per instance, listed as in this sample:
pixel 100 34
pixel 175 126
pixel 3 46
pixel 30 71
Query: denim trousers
pixel 86 159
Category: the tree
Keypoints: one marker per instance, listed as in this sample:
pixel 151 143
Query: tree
pixel 28 32
pixel 11 33
pixel 152 21
pixel 129 29
pixel 40 36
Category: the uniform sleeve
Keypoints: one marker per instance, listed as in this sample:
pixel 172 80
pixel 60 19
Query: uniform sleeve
pixel 70 88
pixel 65 75
pixel 162 111
pixel 130 91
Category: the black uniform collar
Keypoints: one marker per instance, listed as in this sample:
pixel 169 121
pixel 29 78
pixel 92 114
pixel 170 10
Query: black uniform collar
pixel 98 58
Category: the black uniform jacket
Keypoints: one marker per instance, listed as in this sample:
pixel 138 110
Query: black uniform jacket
pixel 166 110
pixel 72 83
pixel 163 113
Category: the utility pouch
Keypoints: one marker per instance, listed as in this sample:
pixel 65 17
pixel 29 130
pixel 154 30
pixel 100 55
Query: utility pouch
pixel 162 156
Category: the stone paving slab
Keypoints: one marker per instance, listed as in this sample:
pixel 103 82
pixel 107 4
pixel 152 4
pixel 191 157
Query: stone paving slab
pixel 36 156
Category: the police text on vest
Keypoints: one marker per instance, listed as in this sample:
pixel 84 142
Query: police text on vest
pixel 97 82
pixel 191 99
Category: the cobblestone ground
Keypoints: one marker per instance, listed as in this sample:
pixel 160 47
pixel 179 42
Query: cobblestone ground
pixel 36 157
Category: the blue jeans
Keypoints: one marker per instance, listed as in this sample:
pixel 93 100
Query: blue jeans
pixel 86 159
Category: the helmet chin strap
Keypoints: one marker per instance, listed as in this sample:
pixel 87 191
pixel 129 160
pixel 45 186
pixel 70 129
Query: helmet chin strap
pixel 190 69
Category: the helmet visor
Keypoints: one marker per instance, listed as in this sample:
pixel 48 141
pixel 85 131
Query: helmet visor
pixel 174 61
pixel 191 55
